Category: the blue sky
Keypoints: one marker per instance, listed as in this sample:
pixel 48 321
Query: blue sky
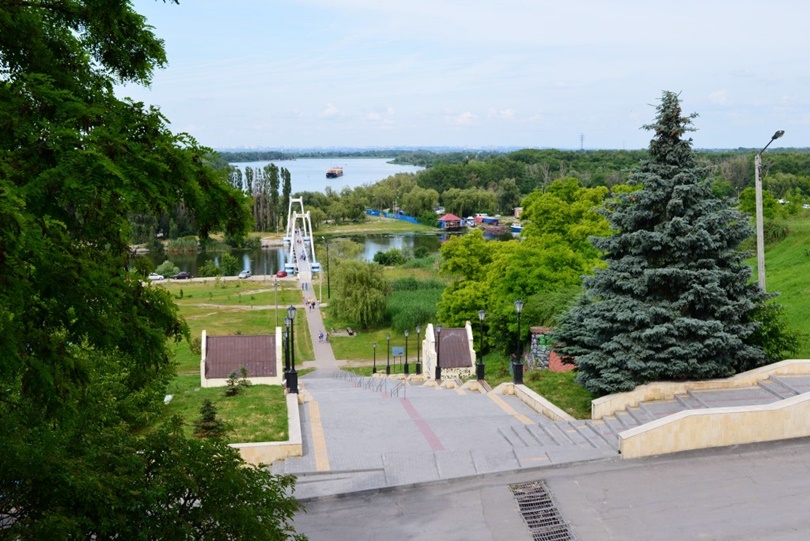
pixel 524 73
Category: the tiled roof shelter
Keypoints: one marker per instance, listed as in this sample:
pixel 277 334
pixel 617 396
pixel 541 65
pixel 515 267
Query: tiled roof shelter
pixel 259 355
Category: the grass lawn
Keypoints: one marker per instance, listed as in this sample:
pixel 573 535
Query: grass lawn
pixel 787 266
pixel 374 224
pixel 228 307
pixel 259 413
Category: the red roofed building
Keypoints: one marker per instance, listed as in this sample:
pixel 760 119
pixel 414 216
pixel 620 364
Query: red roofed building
pixel 259 355
pixel 450 222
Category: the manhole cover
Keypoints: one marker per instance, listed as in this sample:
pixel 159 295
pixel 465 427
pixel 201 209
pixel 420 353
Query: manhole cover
pixel 540 512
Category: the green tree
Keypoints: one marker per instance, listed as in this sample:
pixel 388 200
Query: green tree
pixel 508 194
pixel 675 301
pixel 229 265
pixel 360 293
pixel 209 425
pixel 85 358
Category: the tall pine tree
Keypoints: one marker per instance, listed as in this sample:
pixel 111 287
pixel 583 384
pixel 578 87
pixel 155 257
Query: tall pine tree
pixel 675 301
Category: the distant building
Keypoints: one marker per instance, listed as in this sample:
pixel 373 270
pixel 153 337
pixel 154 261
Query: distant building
pixel 518 212
pixel 450 222
pixel 259 355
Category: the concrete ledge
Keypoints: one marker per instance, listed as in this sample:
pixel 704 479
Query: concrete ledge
pixel 663 390
pixel 269 451
pixel 539 404
pixel 719 427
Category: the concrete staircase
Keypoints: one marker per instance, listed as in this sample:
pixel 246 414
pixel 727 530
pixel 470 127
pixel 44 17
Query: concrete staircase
pixel 767 391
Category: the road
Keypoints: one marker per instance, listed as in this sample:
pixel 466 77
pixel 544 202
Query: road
pixel 756 492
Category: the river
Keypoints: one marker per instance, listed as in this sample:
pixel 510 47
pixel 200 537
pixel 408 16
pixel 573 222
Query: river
pixel 309 174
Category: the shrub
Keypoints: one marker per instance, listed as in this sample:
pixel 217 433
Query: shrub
pixel 209 269
pixel 421 252
pixel 229 265
pixel 183 244
pixel 167 268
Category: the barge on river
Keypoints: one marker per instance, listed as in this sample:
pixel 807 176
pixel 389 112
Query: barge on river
pixel 334 172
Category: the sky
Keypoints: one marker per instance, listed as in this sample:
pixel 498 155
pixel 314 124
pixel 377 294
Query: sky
pixel 479 74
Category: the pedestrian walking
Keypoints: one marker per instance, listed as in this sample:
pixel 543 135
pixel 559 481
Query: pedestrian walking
pixel 320 336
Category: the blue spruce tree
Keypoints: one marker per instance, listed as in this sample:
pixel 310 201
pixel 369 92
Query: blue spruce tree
pixel 675 301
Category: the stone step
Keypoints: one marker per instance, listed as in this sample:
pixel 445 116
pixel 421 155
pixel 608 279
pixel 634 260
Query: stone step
pixel 775 388
pixel 625 419
pixel 639 415
pixel 606 429
pixel 594 436
pixel 688 402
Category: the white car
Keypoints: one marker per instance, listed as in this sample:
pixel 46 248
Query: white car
pixel 245 274
pixel 155 276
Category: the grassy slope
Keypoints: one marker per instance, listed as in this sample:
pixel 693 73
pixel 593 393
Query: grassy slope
pixel 787 265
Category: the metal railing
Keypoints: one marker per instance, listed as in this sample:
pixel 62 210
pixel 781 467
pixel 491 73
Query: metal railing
pixel 382 385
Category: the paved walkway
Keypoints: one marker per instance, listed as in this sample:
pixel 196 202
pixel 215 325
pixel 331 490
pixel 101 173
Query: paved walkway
pixel 371 433
pixel 363 434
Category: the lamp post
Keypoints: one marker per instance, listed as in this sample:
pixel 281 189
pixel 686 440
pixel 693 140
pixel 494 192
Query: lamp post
pixel 517 366
pixel 286 346
pixel 418 351
pixel 438 352
pixel 275 285
pixel 760 220
pixel 374 366
pixel 479 365
pixel 407 370
pixel 388 354
pixel 293 375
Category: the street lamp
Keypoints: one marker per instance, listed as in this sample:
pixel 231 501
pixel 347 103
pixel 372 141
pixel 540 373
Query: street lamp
pixel 760 220
pixel 275 285
pixel 286 346
pixel 479 365
pixel 407 370
pixel 374 366
pixel 517 366
pixel 438 352
pixel 418 351
pixel 388 355
pixel 293 375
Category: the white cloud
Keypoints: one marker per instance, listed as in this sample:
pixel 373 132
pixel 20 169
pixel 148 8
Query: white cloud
pixel 464 119
pixel 329 110
pixel 505 114
pixel 719 98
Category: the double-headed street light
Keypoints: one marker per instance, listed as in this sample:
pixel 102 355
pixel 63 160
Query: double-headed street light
pixel 479 365
pixel 517 366
pixel 292 377
pixel 760 219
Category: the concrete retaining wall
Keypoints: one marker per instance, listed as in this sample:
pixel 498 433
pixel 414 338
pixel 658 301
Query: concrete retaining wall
pixel 719 427
pixel 662 390
pixel 533 400
pixel 270 451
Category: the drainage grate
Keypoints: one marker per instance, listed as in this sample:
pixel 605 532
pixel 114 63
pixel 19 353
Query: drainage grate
pixel 540 512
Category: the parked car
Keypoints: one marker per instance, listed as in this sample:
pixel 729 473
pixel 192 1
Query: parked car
pixel 244 274
pixel 281 274
pixel 155 276
pixel 182 275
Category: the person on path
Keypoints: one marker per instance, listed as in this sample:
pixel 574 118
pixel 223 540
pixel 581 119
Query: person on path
pixel 320 336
